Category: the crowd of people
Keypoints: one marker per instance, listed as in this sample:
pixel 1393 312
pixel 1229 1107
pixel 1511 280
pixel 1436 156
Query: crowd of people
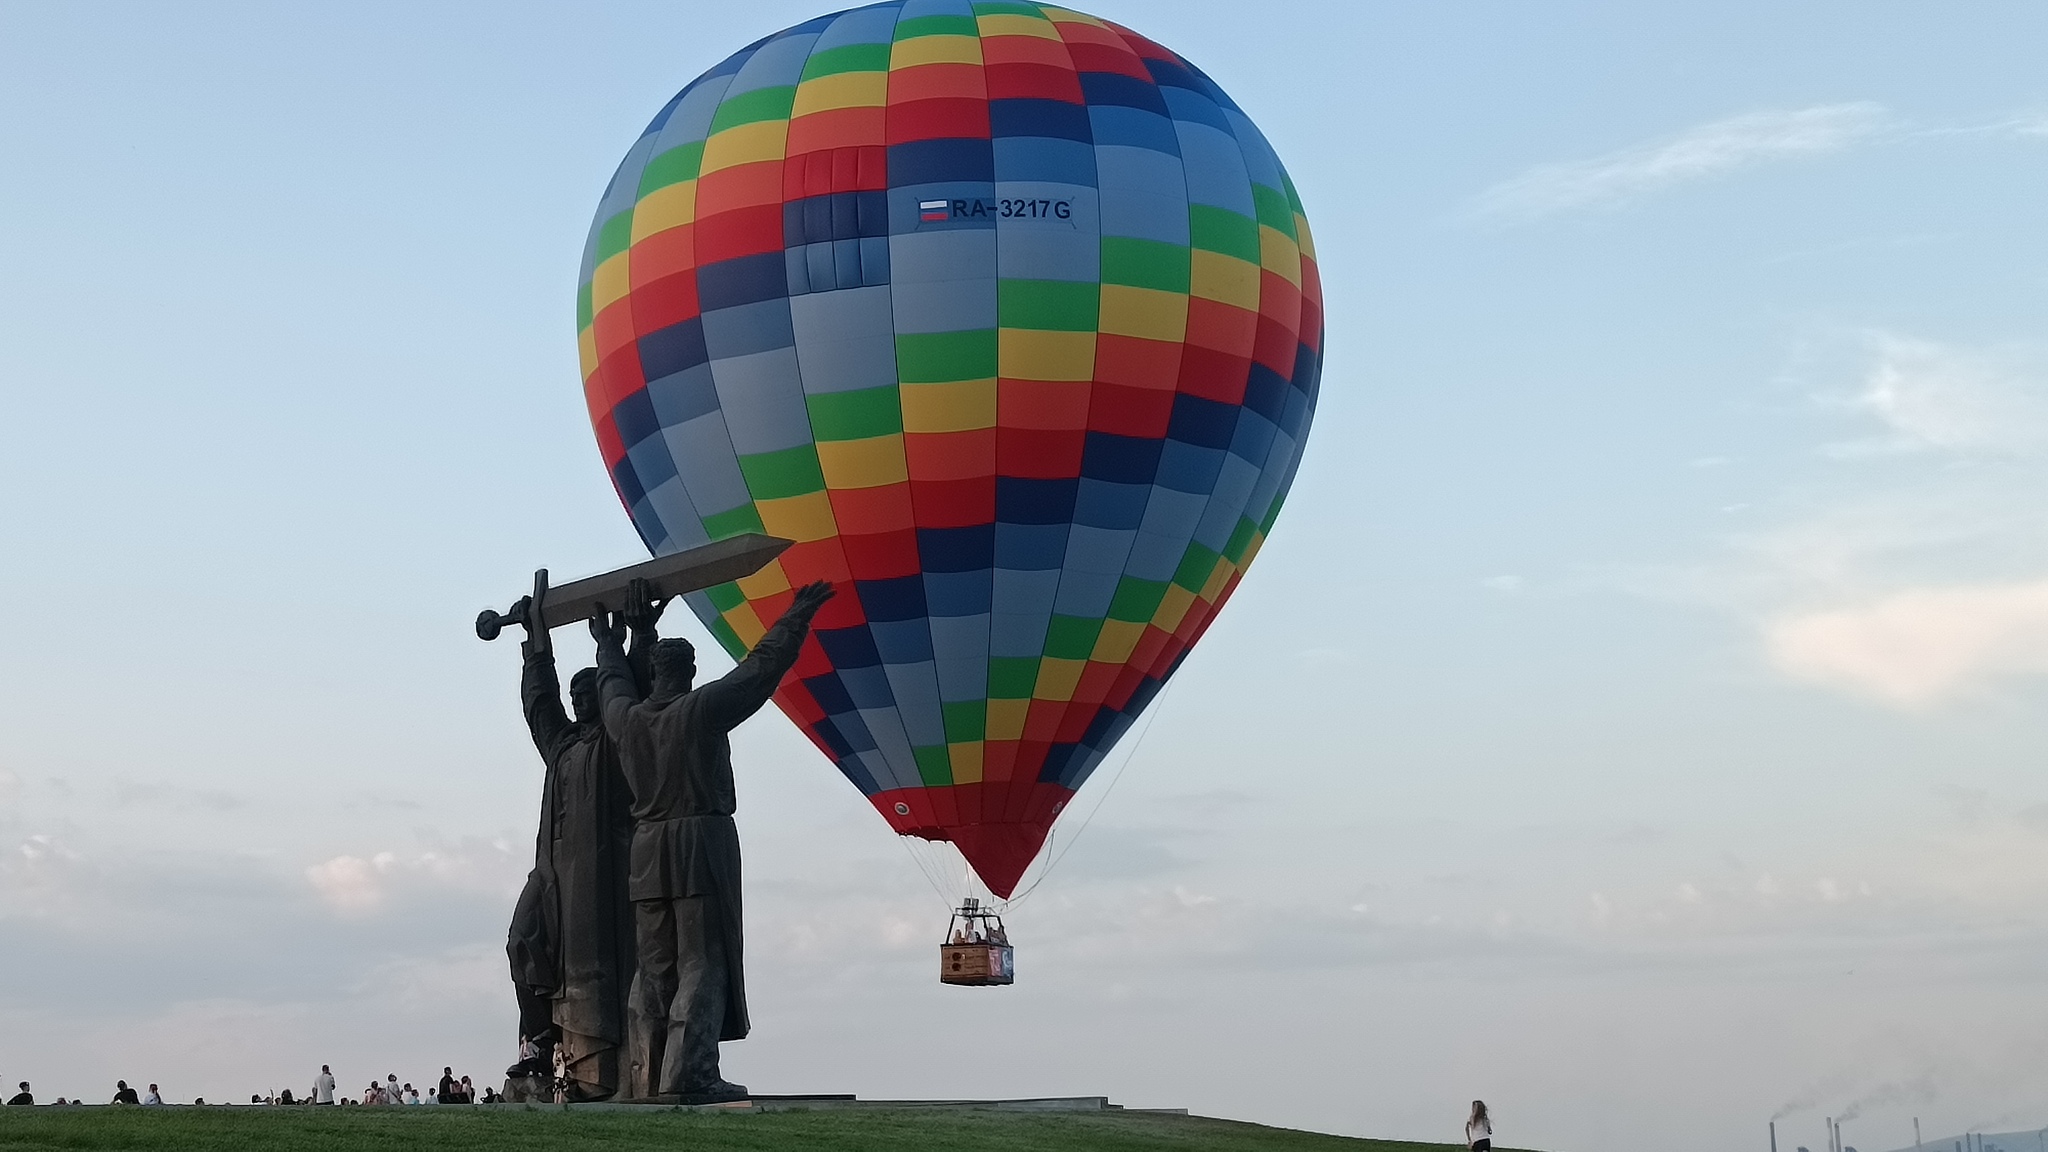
pixel 450 1090
pixel 123 1094
pixel 389 1091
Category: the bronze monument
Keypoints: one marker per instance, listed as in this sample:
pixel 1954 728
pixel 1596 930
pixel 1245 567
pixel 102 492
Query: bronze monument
pixel 572 943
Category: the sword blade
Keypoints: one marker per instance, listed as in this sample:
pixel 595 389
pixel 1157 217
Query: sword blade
pixel 691 570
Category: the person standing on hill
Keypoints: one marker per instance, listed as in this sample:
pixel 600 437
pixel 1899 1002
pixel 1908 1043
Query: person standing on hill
pixel 1479 1128
pixel 323 1086
pixel 23 1096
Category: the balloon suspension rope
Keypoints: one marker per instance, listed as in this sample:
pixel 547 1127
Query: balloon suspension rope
pixel 1158 705
pixel 924 867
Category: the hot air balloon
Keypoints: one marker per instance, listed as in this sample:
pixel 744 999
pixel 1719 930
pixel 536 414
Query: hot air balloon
pixel 1009 318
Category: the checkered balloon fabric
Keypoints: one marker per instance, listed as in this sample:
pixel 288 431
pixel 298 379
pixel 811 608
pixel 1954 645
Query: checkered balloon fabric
pixel 1009 317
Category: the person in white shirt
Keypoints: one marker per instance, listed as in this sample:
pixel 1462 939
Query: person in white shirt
pixel 1479 1129
pixel 152 1097
pixel 323 1086
pixel 393 1094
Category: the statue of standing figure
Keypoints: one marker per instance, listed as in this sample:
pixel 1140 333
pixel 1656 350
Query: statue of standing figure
pixel 689 988
pixel 571 940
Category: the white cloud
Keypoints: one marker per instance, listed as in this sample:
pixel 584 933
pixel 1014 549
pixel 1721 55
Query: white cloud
pixel 351 884
pixel 358 885
pixel 1916 647
pixel 1932 396
pixel 1707 150
pixel 1888 608
pixel 1907 564
pixel 41 872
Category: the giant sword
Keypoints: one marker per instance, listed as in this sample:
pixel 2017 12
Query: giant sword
pixel 687 571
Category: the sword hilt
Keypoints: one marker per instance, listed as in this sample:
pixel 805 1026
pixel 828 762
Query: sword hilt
pixel 489 623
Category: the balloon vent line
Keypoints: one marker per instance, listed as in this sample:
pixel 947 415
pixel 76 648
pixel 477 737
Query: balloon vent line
pixel 1158 706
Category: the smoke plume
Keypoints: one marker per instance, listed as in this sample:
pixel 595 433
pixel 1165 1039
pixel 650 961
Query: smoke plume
pixel 1919 1089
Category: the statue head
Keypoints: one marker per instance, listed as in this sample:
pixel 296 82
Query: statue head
pixel 583 696
pixel 675 666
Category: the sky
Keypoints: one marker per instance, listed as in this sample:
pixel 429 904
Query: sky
pixel 1636 718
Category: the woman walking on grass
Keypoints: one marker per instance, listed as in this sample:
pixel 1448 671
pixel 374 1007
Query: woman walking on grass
pixel 1479 1128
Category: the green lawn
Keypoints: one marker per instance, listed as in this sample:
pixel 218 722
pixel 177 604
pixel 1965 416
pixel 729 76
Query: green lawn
pixel 493 1130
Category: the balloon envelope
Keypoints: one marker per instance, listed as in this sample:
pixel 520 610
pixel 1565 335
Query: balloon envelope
pixel 1009 317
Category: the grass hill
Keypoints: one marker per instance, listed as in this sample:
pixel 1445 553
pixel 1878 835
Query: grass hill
pixel 247 1129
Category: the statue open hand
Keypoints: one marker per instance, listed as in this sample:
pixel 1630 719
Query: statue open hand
pixel 607 627
pixel 810 598
pixel 643 608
